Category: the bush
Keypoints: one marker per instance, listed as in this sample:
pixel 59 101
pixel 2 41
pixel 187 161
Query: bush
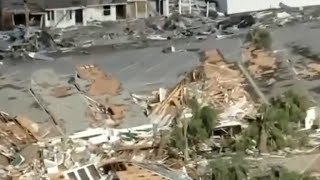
pixel 260 38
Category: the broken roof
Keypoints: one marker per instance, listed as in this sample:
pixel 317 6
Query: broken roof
pixel 106 90
pixel 56 4
pixel 61 99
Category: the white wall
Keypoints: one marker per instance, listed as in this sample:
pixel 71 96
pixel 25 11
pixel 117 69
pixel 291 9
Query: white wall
pixel 96 14
pixel 48 23
pixel 60 19
pixel 239 6
pixel 166 7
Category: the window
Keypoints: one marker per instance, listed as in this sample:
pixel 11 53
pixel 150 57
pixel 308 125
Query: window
pixel 72 176
pixel 94 173
pixel 141 7
pixel 69 14
pixel 50 15
pixel 83 175
pixel 107 10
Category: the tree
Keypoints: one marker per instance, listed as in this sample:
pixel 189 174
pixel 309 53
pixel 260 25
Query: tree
pixel 226 169
pixel 279 173
pixel 194 130
pixel 202 122
pixel 260 38
pixel 280 118
pixel 277 121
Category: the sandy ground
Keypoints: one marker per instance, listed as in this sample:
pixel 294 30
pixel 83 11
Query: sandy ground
pixel 149 68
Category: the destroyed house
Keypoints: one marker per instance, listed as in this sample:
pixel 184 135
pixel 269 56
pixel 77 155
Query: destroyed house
pixel 13 12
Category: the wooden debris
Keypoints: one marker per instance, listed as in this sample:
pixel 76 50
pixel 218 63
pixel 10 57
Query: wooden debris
pixel 225 84
pixel 31 127
pixel 261 62
pixel 312 70
pixel 222 86
pixel 61 91
pixel 314 67
pixel 136 172
pixel 117 111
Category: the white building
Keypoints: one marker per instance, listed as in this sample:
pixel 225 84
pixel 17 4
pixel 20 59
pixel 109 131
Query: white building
pixel 241 6
pixel 62 13
pixel 105 10
pixel 66 13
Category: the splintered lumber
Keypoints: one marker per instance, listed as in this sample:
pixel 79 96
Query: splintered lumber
pixel 165 103
pixel 261 62
pixel 225 83
pixel 314 67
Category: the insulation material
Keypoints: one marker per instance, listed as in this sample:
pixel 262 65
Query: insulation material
pixel 101 83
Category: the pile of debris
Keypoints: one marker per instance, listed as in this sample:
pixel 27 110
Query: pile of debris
pixel 27 152
pixel 215 82
pixel 262 63
pixel 312 70
pixel 225 86
pixel 19 155
pixel 104 91
pixel 27 42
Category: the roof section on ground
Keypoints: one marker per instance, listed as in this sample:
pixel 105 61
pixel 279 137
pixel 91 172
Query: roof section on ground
pixel 61 99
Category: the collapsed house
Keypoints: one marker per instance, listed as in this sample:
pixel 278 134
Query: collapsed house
pixel 216 83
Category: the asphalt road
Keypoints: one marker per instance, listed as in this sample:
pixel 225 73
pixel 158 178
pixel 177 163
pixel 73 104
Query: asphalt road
pixel 149 68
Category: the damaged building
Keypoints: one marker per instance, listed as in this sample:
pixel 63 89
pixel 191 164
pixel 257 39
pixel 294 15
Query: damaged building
pixel 66 13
